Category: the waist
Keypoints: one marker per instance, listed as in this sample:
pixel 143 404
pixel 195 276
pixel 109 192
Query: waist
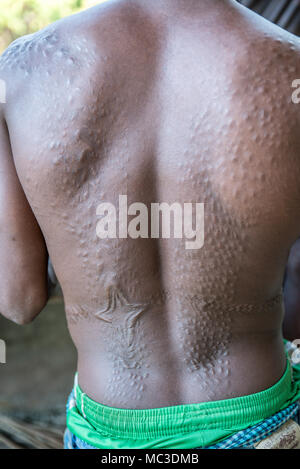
pixel 189 425
pixel 166 378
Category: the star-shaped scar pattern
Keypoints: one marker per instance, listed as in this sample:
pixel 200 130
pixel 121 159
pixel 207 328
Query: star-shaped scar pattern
pixel 117 302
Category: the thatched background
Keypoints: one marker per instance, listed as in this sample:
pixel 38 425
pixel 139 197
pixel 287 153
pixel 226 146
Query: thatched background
pixel 286 13
pixel 36 380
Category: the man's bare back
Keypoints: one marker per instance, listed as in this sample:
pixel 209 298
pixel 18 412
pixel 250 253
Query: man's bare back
pixel 164 101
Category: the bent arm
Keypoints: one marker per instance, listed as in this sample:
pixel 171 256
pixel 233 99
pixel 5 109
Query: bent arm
pixel 291 325
pixel 23 253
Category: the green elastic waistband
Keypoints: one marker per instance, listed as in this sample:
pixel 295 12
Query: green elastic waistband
pixel 210 420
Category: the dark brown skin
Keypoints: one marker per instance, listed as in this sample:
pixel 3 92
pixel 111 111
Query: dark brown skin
pixel 291 325
pixel 168 101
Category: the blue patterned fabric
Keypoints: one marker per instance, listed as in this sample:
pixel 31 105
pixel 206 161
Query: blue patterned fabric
pixel 242 440
pixel 248 437
pixel 71 441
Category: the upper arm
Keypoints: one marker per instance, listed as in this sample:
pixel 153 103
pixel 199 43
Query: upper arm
pixel 23 254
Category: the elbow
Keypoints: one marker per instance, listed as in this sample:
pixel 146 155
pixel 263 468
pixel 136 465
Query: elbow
pixel 293 268
pixel 24 308
pixel 23 317
pixel 293 265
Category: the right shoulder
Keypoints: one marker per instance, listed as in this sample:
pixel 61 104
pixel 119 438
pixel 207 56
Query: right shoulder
pixel 28 50
pixel 22 57
pixel 15 51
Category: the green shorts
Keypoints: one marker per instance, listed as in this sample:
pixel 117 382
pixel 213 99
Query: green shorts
pixel 182 426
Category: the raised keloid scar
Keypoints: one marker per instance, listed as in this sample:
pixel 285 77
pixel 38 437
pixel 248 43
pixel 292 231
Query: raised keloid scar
pixel 126 345
pixel 121 314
